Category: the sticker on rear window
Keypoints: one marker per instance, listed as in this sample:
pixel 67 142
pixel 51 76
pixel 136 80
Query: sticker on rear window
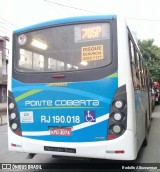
pixel 92 53
pixel 22 39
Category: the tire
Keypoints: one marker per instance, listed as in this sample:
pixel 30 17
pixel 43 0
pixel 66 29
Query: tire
pixel 145 141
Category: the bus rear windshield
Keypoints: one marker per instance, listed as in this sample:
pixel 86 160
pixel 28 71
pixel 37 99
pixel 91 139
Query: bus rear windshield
pixel 64 48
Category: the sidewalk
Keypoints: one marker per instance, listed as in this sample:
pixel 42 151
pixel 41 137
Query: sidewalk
pixel 3 113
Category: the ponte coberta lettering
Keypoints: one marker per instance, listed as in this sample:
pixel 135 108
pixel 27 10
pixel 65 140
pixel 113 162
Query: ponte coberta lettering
pixel 49 103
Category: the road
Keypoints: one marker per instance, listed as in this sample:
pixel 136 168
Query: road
pixel 149 154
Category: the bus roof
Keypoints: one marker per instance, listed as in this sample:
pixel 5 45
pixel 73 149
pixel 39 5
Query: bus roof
pixel 65 21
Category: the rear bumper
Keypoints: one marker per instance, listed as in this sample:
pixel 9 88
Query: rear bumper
pixel 103 149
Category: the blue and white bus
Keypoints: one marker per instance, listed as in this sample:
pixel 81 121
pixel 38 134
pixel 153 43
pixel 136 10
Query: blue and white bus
pixel 78 87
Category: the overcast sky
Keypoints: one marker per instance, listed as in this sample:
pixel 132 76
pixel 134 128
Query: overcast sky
pixel 143 16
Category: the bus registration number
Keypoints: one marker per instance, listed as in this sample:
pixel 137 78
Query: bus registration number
pixel 60 131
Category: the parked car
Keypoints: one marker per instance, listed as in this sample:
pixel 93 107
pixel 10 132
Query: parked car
pixel 157 96
pixel 153 98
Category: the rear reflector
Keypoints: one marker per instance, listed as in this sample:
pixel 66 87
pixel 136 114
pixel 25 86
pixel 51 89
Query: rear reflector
pixel 119 151
pixel 115 152
pixel 19 133
pixel 110 137
pixel 15 145
pixel 12 144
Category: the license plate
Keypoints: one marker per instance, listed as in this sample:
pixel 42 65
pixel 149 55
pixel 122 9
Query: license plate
pixel 59 149
pixel 60 131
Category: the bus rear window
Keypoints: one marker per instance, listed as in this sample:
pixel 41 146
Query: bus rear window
pixel 64 48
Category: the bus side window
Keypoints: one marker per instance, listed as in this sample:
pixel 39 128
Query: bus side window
pixel 136 81
pixel 141 71
pixel 147 81
pixel 143 75
pixel 132 52
pixel 134 68
pixel 138 66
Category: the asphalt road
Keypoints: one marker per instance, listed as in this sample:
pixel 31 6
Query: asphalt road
pixel 149 154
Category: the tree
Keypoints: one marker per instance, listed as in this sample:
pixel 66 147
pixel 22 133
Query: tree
pixel 151 55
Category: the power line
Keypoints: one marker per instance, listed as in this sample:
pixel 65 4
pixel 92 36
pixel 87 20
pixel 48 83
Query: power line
pixel 51 6
pixel 2 27
pixel 62 6
pixel 13 25
pixel 152 20
pixel 2 31
pixel 67 6
pixel 5 24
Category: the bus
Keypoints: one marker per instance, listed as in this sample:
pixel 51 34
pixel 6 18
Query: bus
pixel 78 87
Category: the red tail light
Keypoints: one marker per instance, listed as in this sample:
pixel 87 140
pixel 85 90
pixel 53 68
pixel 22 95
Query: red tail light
pixel 110 137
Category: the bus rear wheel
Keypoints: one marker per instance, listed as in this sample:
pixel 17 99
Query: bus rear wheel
pixel 145 142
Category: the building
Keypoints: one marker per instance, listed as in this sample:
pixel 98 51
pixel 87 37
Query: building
pixel 4 53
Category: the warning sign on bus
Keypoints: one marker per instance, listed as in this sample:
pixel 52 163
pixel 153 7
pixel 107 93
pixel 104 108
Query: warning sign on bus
pixel 92 53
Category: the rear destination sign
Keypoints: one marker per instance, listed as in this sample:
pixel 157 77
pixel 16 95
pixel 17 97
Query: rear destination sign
pixel 92 53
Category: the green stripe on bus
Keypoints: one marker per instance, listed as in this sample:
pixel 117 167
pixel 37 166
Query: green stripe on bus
pixel 29 93
pixel 114 75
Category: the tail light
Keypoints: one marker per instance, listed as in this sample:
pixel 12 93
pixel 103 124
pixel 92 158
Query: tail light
pixel 14 121
pixel 118 114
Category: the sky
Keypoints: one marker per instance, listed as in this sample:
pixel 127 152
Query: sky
pixel 143 16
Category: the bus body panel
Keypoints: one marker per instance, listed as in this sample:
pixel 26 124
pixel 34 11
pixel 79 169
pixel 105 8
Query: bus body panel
pixel 43 102
pixel 141 112
pixel 14 141
pixel 43 107
pixel 106 149
pixel 138 100
pixel 124 71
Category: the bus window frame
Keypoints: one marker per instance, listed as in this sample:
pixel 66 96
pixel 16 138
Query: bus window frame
pixel 135 79
pixel 90 74
pixel 74 24
pixel 139 65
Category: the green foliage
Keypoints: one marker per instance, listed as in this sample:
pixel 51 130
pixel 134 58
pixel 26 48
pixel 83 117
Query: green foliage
pixel 151 55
